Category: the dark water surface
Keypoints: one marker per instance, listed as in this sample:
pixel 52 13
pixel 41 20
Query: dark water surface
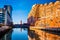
pixel 16 34
pixel 28 34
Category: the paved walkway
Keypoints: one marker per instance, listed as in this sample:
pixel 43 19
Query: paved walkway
pixel 46 28
pixel 3 28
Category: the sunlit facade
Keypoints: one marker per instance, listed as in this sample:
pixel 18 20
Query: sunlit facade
pixel 45 15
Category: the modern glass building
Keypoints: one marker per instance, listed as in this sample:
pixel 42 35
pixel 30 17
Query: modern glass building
pixel 2 16
pixel 6 15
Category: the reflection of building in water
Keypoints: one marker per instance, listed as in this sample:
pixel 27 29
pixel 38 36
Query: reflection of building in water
pixel 44 15
pixel 7 36
pixel 21 29
pixel 41 35
pixel 47 15
pixel 33 36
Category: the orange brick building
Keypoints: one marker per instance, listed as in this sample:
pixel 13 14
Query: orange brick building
pixel 45 15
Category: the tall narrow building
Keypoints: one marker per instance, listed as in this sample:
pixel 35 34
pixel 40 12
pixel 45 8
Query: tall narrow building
pixel 6 15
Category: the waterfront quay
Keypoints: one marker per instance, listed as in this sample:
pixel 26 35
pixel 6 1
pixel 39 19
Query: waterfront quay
pixel 4 30
pixel 5 19
pixel 44 33
pixel 43 23
pixel 44 20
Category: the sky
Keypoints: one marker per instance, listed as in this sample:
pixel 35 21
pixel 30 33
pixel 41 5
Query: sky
pixel 21 8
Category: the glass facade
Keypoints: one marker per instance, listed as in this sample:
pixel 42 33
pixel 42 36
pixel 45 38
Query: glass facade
pixel 1 17
pixel 6 15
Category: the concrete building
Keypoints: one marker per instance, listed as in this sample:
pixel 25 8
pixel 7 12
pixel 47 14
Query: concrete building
pixel 6 15
pixel 45 15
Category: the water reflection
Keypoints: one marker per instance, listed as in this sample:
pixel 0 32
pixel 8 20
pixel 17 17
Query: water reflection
pixel 28 34
pixel 42 35
pixel 16 34
pixel 33 36
pixel 7 36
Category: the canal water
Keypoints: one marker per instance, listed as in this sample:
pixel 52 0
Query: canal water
pixel 16 34
pixel 25 34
